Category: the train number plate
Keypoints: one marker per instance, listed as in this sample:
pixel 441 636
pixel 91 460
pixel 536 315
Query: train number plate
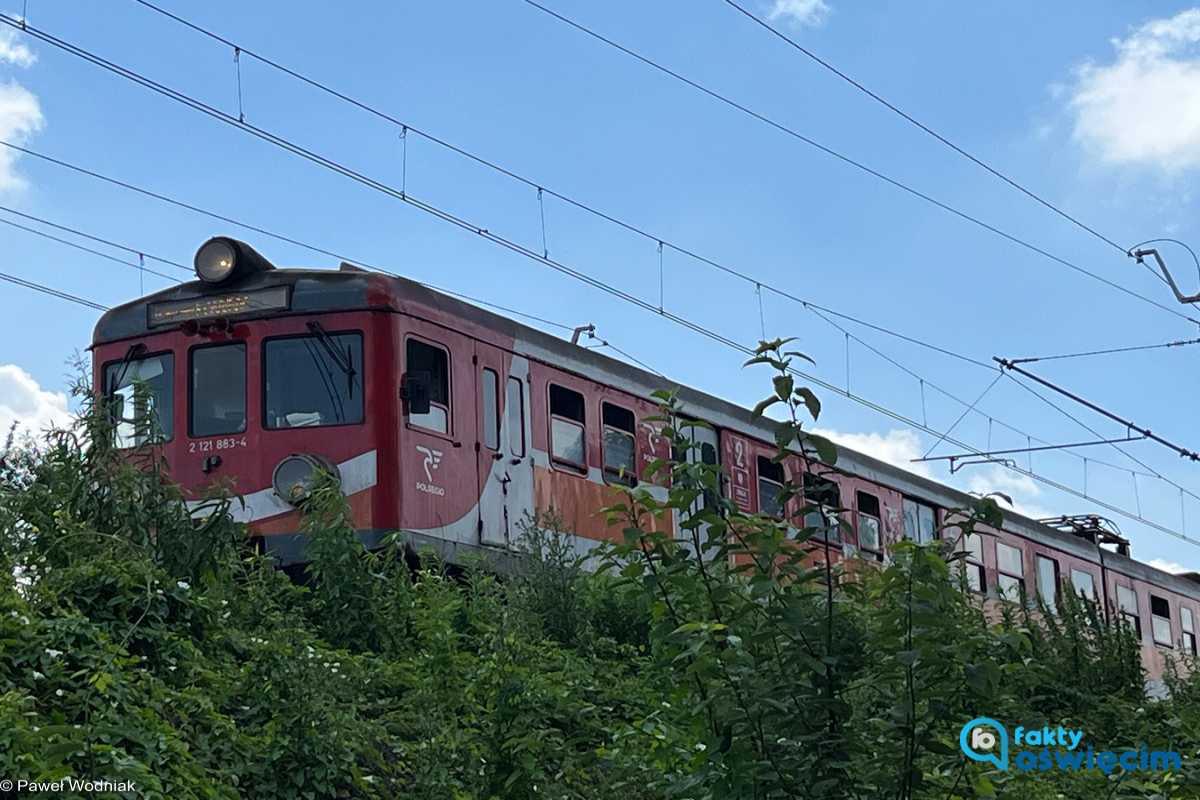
pixel 216 445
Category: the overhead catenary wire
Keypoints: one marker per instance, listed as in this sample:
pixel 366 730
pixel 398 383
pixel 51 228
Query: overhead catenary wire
pixel 520 249
pixel 97 239
pixel 47 290
pixel 855 163
pixel 85 249
pixel 540 186
pixel 114 259
pixel 966 411
pixel 809 305
pixel 1110 351
pixel 923 382
pixel 922 126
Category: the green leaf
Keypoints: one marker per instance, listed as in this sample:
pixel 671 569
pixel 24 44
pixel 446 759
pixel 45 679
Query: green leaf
pixel 810 401
pixel 826 450
pixel 783 386
pixel 763 405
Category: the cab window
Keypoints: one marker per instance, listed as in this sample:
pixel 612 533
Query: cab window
pixel 142 396
pixel 430 365
pixel 313 381
pixel 217 390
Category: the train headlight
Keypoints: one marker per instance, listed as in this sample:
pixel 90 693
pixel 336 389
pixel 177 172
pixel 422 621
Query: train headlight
pixel 221 258
pixel 215 260
pixel 296 476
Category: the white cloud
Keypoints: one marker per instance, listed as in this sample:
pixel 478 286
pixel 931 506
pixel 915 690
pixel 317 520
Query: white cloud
pixel 1023 490
pixel 20 118
pixel 1144 107
pixel 20 112
pixel 13 51
pixel 1168 566
pixel 24 403
pixel 801 12
pixel 896 447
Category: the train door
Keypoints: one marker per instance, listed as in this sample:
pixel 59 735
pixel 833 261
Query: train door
pixel 704 452
pixel 505 470
pixel 439 432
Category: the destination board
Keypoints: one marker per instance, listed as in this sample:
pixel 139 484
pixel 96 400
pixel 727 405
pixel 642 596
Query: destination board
pixel 217 306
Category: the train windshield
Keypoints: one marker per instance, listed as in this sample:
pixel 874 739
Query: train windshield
pixel 142 394
pixel 218 401
pixel 306 386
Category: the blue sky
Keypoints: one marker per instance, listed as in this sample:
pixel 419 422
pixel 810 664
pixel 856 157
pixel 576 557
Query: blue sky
pixel 1094 105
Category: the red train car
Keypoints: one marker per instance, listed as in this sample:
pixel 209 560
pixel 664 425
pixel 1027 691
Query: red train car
pixel 452 423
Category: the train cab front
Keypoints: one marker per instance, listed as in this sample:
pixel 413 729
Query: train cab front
pixel 255 379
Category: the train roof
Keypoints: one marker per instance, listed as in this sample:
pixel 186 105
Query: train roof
pixel 352 288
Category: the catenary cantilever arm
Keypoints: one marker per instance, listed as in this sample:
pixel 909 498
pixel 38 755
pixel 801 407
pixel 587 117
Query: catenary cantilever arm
pixel 1140 255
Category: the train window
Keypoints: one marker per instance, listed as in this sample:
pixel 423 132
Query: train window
pixel 311 381
pixel 1084 583
pixel 1128 606
pixel 567 442
pixel 432 364
pixel 826 496
pixel 217 395
pixel 1160 620
pixel 770 487
pixel 869 538
pixel 142 394
pixel 619 444
pixel 1011 580
pixel 490 386
pixel 1188 625
pixel 972 549
pixel 919 522
pixel 514 410
pixel 1047 582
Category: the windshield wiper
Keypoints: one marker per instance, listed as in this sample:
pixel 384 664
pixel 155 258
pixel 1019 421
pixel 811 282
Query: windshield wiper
pixel 345 361
pixel 135 349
